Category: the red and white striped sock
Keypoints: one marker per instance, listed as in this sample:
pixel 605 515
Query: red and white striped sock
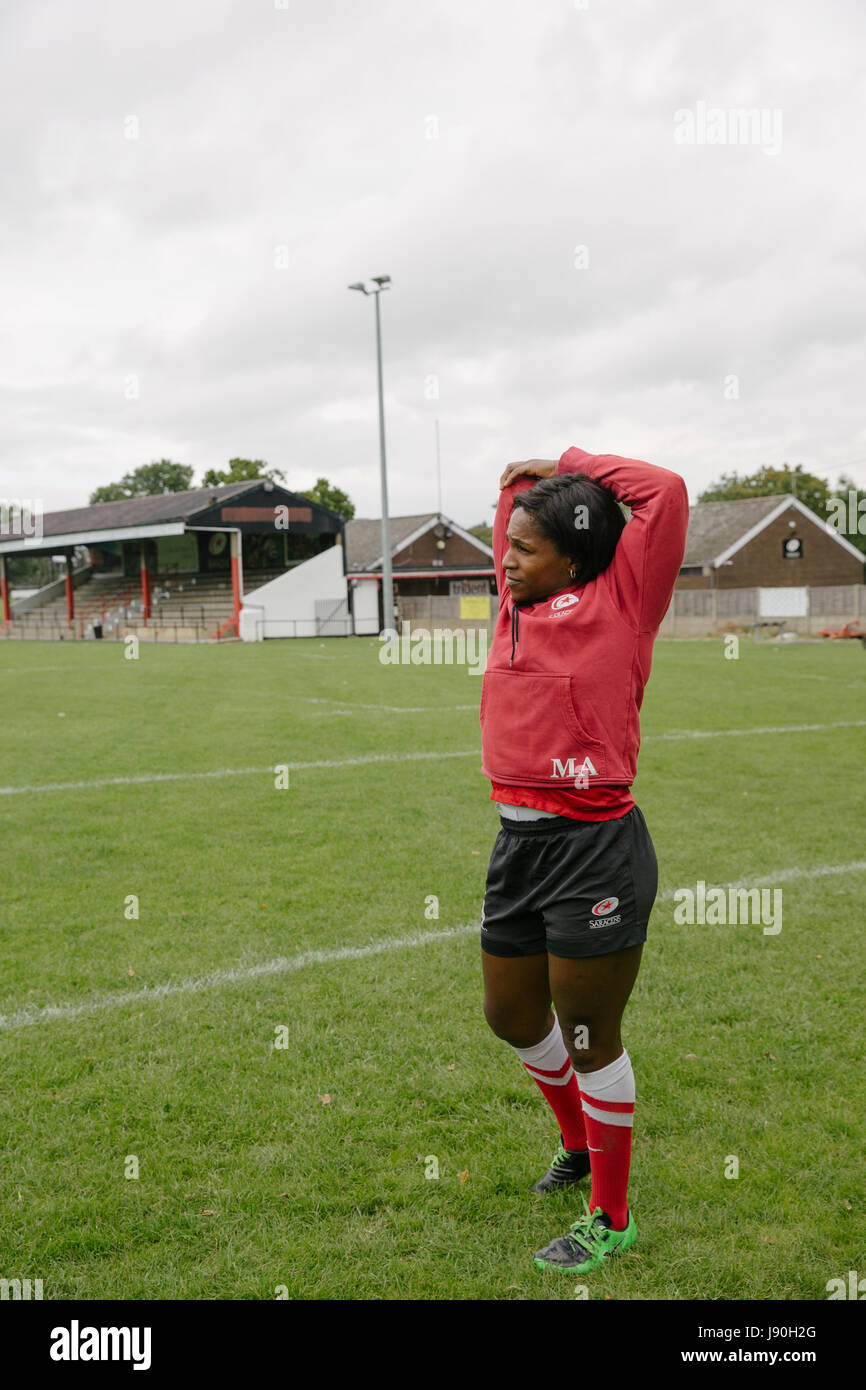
pixel 550 1068
pixel 607 1097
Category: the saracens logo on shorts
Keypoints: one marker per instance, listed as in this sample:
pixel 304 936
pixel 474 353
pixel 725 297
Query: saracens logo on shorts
pixel 605 906
pixel 601 912
pixel 563 602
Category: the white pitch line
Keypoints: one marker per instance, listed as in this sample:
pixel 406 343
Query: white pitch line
pixel 131 781
pixel 858 866
pixel 235 771
pixel 346 707
pixel 216 978
pixel 149 777
pixel 283 965
pixel 766 729
pixel 811 676
pixel 32 670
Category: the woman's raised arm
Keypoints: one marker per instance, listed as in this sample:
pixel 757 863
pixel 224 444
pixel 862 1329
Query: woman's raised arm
pixel 650 550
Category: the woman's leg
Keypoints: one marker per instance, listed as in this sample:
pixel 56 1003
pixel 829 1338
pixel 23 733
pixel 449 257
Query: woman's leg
pixel 517 997
pixel 590 995
pixel 517 1007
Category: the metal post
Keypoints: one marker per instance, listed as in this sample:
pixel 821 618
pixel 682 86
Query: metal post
pixel 70 590
pixel 145 580
pixel 382 282
pixel 387 581
pixel 4 586
pixel 237 579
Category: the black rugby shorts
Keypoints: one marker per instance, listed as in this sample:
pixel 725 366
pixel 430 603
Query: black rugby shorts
pixel 570 887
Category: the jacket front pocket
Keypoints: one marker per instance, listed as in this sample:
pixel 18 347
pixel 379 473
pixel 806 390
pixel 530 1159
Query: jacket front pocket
pixel 531 734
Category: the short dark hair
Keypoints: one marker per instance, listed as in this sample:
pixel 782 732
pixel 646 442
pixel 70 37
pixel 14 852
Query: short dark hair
pixel 553 502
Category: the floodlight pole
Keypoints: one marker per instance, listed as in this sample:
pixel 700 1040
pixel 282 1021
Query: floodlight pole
pixel 382 282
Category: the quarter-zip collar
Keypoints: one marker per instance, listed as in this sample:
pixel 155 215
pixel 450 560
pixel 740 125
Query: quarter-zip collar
pixel 515 619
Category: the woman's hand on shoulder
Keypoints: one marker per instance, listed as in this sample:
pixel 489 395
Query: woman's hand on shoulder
pixel 534 468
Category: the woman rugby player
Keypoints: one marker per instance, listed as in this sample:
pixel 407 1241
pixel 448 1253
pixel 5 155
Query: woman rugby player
pixel 573 873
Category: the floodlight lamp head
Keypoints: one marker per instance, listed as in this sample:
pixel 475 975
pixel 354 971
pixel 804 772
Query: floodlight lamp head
pixel 381 280
pixel 359 285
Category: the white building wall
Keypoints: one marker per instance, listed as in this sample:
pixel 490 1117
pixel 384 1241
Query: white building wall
pixel 365 603
pixel 285 607
pixel 783 603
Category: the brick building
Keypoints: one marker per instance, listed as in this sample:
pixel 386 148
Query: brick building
pixel 434 564
pixel 771 542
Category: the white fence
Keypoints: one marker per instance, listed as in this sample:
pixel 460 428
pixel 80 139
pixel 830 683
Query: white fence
pixel 702 612
pixel 692 613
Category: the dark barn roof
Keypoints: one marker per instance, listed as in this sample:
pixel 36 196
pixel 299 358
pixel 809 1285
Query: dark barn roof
pixel 197 506
pixel 714 526
pixel 138 511
pixel 364 538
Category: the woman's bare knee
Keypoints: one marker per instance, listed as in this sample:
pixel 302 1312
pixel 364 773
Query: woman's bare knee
pixel 519 1028
pixel 517 998
pixel 591 1044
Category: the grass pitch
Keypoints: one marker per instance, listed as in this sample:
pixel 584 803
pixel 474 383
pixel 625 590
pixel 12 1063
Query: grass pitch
pixel 238 1093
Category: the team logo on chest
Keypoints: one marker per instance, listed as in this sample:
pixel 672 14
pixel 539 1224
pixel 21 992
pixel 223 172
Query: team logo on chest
pixel 563 602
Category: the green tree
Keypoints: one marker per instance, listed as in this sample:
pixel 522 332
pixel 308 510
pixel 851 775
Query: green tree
pixel 483 532
pixel 30 571
pixel 329 496
pixel 854 499
pixel 149 480
pixel 767 482
pixel 242 471
pixel 815 493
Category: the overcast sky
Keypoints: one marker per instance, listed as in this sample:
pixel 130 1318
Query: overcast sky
pixel 189 186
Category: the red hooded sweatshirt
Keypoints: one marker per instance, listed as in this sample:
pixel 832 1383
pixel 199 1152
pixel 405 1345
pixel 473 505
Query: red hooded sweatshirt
pixel 565 677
